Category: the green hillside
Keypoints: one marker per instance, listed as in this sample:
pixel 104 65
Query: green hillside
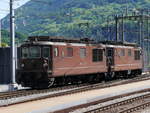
pixel 6 37
pixel 64 17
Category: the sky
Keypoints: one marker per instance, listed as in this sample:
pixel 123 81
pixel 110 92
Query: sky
pixel 4 6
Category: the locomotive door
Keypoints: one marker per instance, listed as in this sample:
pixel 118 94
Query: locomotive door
pixel 50 58
pixel 47 56
pixel 110 56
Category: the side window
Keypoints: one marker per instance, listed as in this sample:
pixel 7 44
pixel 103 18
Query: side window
pixel 97 55
pixel 137 55
pixel 35 52
pixel 46 52
pixel 109 53
pixel 24 52
pixel 129 52
pixel 82 52
pixel 122 53
pixel 69 52
pixel 56 52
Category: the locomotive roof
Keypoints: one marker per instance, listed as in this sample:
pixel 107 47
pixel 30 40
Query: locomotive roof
pixel 60 39
pixel 76 40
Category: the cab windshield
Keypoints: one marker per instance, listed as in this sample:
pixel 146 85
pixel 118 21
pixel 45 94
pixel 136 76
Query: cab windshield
pixel 31 52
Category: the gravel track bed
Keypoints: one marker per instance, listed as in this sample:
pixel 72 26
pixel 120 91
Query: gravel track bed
pixel 82 110
pixel 9 101
pixel 6 102
pixel 62 102
pixel 144 111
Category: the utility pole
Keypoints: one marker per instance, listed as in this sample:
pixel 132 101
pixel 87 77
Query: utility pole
pixel 116 22
pixel 123 40
pixel 126 7
pixel 12 48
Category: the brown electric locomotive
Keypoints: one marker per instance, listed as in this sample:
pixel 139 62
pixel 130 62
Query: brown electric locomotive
pixel 46 61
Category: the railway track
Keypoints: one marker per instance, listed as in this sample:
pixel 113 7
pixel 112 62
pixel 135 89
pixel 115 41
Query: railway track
pixel 126 106
pixel 19 93
pixel 136 108
pixel 54 92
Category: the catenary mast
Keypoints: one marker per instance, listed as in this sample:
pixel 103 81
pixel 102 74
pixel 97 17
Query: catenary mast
pixel 12 41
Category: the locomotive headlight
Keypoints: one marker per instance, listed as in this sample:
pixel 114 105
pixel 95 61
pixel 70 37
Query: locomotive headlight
pixel 22 65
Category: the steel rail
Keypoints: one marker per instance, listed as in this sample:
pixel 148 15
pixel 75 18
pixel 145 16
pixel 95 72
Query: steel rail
pixel 114 105
pixel 135 108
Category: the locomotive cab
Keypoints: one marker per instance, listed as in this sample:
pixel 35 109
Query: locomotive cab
pixel 34 65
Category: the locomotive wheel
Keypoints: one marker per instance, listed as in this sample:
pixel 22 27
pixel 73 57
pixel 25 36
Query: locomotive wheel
pixel 91 79
pixel 109 76
pixel 51 82
pixel 113 75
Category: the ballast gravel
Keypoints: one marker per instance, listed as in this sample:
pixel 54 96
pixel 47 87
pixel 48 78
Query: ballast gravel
pixel 29 97
pixel 82 110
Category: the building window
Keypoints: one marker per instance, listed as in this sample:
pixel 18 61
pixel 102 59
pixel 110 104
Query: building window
pixel 82 52
pixel 122 53
pixel 56 52
pixel 137 55
pixel 46 52
pixel 129 52
pixel 69 52
pixel 97 55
